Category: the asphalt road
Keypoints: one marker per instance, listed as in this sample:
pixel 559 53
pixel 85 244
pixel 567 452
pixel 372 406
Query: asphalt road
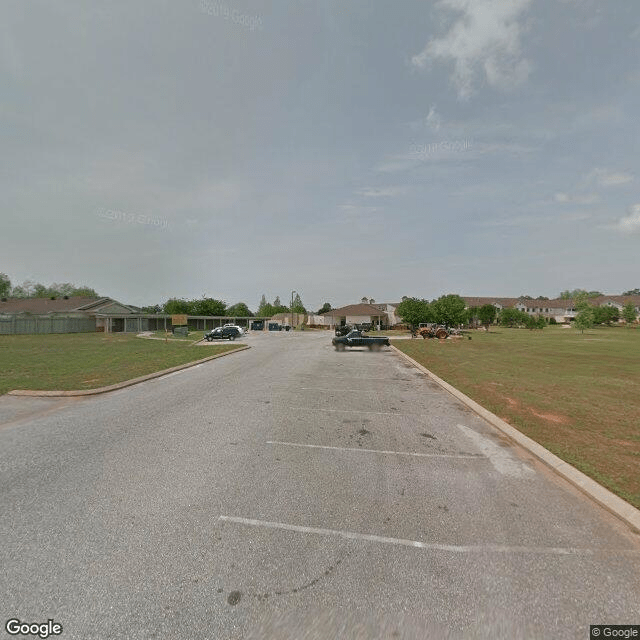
pixel 291 491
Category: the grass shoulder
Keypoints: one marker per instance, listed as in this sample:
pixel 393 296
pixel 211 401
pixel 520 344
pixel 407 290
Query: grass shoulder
pixel 577 394
pixel 90 360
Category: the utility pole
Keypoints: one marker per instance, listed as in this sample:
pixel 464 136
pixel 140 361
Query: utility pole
pixel 291 309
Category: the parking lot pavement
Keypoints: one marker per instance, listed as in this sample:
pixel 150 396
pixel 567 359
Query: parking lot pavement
pixel 14 409
pixel 297 489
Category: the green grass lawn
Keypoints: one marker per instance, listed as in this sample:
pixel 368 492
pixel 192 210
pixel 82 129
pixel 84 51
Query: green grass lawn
pixel 576 394
pixel 391 333
pixel 90 360
pixel 193 336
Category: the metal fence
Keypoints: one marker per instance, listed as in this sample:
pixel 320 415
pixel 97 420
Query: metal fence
pixel 46 324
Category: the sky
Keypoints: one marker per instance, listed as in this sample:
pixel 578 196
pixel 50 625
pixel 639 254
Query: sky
pixel 339 149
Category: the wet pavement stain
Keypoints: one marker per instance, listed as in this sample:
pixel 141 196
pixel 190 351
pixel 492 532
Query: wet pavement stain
pixel 234 596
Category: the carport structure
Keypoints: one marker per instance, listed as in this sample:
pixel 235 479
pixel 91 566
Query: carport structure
pixel 135 323
pixel 356 314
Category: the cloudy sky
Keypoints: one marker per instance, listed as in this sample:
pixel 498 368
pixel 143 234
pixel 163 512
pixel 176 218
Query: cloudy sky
pixel 339 148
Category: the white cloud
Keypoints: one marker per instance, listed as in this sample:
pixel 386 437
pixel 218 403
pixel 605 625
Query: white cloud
pixel 386 192
pixel 433 119
pixel 484 41
pixel 588 198
pixel 631 223
pixel 608 178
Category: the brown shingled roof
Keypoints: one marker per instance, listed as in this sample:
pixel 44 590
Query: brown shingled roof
pixel 479 302
pixel 356 310
pixel 46 305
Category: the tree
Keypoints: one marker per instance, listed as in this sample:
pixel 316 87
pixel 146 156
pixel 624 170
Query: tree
pixel 30 289
pixel 567 295
pixel 449 310
pixel 472 316
pixel 581 301
pixel 175 306
pixel 85 292
pixel 542 298
pixel 239 309
pixel 584 319
pixel 414 311
pixel 629 312
pixel 487 314
pixel 324 308
pixel 632 292
pixel 154 308
pixel 605 315
pixel 266 311
pixel 278 307
pixel 40 291
pixel 25 290
pixel 512 317
pixel 5 285
pixel 207 307
pixel 298 307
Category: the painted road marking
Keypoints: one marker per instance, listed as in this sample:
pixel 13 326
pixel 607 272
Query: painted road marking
pixel 377 413
pixel 504 461
pixel 357 377
pixel 395 453
pixel 339 390
pixel 432 546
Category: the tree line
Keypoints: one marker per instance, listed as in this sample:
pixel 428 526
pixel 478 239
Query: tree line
pixel 31 289
pixel 451 310
pixel 197 307
pixel 212 307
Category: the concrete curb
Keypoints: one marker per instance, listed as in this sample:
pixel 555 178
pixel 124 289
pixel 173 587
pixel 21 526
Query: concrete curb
pixel 605 498
pixel 120 385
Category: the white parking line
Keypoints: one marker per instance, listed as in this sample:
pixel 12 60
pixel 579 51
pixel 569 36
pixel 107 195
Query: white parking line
pixel 432 546
pixel 376 413
pixel 355 377
pixel 395 453
pixel 503 460
pixel 339 390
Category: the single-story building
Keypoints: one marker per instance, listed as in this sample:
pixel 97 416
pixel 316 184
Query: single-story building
pixel 66 314
pixel 362 313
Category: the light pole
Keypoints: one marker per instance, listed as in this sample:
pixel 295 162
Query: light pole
pixel 291 309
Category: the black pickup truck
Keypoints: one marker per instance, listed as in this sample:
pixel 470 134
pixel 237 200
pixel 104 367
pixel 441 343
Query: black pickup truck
pixel 356 338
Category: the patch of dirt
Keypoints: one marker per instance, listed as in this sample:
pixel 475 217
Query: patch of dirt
pixel 550 416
